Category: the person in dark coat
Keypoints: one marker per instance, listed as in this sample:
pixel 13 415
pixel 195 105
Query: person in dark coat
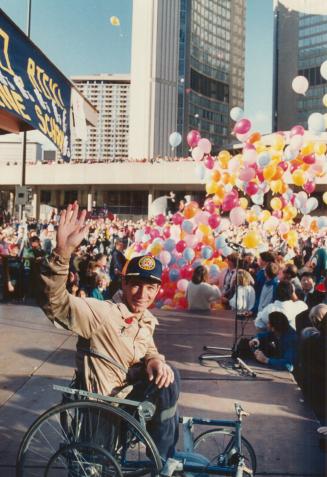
pixel 117 263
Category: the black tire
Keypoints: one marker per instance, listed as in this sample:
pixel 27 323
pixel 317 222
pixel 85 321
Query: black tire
pixel 217 446
pixel 106 432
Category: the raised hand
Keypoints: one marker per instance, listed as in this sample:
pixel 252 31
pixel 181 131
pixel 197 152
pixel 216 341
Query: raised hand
pixel 71 230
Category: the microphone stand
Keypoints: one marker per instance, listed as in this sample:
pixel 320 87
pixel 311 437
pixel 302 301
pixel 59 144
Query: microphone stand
pixel 232 351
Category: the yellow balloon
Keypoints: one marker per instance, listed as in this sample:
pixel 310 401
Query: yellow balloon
pixel 276 186
pixel 276 203
pixel 324 100
pixel 324 197
pixel 307 148
pixel 320 148
pixel 251 239
pixel 298 178
pixel 220 191
pixel 205 229
pixel 269 171
pixel 278 142
pixel 115 21
pixel 251 217
pixel 211 187
pixel 223 158
pixel 265 215
pixel 244 203
pixel 291 238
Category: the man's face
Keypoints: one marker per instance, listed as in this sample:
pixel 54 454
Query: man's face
pixel 138 294
pixel 119 246
pixel 306 283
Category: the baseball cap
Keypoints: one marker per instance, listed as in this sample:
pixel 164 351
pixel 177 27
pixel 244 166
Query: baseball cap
pixel 145 266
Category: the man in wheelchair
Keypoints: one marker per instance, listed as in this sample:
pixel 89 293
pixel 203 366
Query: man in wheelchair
pixel 115 344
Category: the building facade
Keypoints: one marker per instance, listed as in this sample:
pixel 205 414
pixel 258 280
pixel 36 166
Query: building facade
pixel 300 47
pixel 211 67
pixel 108 141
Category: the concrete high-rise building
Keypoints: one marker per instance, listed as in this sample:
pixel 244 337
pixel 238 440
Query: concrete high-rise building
pixel 211 66
pixel 187 71
pixel 108 141
pixel 300 47
pixel 154 76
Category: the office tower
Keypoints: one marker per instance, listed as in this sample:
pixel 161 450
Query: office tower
pixel 108 141
pixel 300 47
pixel 211 66
pixel 187 71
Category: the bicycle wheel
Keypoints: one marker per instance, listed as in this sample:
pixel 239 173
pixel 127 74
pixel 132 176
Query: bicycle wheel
pixel 86 438
pixel 218 446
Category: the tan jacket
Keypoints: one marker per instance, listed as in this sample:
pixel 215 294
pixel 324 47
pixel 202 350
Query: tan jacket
pixel 101 326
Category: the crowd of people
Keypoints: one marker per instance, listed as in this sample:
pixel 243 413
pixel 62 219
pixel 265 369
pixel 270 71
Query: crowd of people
pixel 284 291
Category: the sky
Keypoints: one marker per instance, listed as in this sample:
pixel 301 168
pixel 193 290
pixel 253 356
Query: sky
pixel 79 39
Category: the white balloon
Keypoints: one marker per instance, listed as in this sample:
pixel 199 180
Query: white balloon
pixel 296 142
pixel 323 70
pixel 197 154
pixel 316 123
pixel 236 113
pixel 300 84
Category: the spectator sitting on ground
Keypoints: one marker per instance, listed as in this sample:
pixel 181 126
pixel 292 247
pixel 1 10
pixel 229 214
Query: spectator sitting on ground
pixel 260 278
pixel 268 292
pixel 245 293
pixel 278 347
pixel 199 293
pixel 284 304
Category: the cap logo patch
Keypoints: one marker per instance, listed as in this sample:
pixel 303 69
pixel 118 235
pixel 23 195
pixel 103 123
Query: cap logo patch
pixel 147 263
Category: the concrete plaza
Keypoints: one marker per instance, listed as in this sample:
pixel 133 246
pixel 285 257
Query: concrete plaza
pixel 282 429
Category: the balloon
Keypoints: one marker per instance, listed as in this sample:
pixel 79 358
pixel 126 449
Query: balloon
pixel 115 21
pixel 242 126
pixel 283 228
pixel 138 235
pixel 175 139
pixel 215 175
pixel 229 202
pixel 298 177
pixel 298 129
pixel 169 245
pixel 269 172
pixel 323 70
pixel 300 84
pixel 206 253
pixel 197 154
pixel 145 238
pixel 165 257
pixel 251 188
pixel 292 238
pixel 236 113
pixel 243 202
pixel 209 162
pixel 166 232
pixel 209 206
pixel 316 123
pixel 324 197
pixel 182 285
pixel 311 205
pixel 322 222
pixel 177 218
pixel 193 138
pixel 174 274
pixel 251 239
pixel 306 221
pixel 309 187
pixel 263 159
pixel 214 221
pixel 320 148
pixel 220 243
pixel 237 216
pixel 191 209
pixel 180 246
pixel 276 186
pixel 296 142
pixel 160 220
pixel 189 254
pixel 223 158
pixel 250 156
pixel 201 218
pixel 247 174
pixel 205 229
pixel 204 145
pixel 226 251
pixel 187 226
pixel 278 141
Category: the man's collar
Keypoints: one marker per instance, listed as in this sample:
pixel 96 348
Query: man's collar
pixel 147 316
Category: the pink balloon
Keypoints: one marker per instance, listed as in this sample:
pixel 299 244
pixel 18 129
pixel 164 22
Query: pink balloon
pixel 147 229
pixel 251 188
pixel 197 154
pixel 276 213
pixel 177 218
pixel 205 145
pixel 181 246
pixel 250 156
pixel 309 187
pixel 283 165
pixel 154 233
pixel 209 162
pixel 242 126
pixel 297 130
pixel 182 284
pixel 160 220
pixel 166 232
pixel 247 174
pixel 309 159
pixel 138 247
pixel 214 221
pixel 229 202
pixel 201 218
pixel 237 216
pixel 193 138
pixel 209 206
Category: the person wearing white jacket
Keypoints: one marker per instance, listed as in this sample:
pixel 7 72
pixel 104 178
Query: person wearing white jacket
pixel 284 304
pixel 245 293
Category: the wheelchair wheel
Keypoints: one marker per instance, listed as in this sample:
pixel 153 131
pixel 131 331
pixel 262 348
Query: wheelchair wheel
pixel 87 439
pixel 219 447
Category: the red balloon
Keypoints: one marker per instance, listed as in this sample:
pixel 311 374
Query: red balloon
pixel 214 221
pixel 242 126
pixel 309 187
pixel 198 247
pixel 294 167
pixel 186 272
pixel 193 138
pixel 154 233
pixel 309 159
pixel 283 165
pixel 166 232
pixel 181 246
pixel 297 130
pixel 177 218
pixel 252 188
pixel 147 229
pixel 260 175
pixel 209 162
pixel 230 201
pixel 209 206
pixel 160 220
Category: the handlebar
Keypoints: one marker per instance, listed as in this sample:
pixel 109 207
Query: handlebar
pixel 240 411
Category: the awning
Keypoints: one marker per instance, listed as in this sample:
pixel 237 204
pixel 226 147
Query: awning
pixel 34 94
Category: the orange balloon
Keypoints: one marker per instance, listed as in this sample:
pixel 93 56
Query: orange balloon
pixel 208 240
pixel 279 173
pixel 190 210
pixel 269 171
pixel 215 175
pixel 314 226
pixel 223 158
pixel 256 136
pixel 225 177
pixel 276 186
pixel 220 191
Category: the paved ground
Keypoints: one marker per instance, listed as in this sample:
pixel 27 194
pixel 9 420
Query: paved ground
pixel 34 355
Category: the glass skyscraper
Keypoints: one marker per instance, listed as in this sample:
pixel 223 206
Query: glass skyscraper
pixel 300 48
pixel 211 67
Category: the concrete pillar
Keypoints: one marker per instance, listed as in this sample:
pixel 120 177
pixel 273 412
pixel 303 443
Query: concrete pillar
pixel 36 204
pixel 11 202
pixel 150 200
pixel 89 201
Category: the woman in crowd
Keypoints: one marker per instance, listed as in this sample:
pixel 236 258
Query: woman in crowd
pixel 201 294
pixel 245 293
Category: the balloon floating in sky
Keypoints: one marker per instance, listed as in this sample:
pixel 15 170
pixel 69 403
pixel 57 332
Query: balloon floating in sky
pixel 115 21
pixel 300 84
pixel 175 139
